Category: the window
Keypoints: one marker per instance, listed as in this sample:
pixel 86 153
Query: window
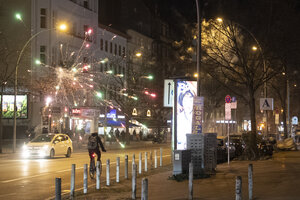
pixel 101 44
pixel 85 28
pixel 105 68
pixel 43 58
pixel 42 49
pixel 101 67
pixel 86 4
pixel 106 45
pixel 74 29
pixel 123 52
pixel 85 60
pixel 43 54
pixel 116 49
pixel 120 50
pixel 43 18
pixel 110 47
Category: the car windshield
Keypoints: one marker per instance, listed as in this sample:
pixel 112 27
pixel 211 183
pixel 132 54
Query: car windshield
pixel 43 138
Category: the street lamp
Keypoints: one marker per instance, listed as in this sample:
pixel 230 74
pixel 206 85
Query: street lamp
pixel 61 27
pixel 138 54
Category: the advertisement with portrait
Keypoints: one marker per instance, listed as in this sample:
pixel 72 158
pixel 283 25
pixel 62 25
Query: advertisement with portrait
pixel 8 106
pixel 186 91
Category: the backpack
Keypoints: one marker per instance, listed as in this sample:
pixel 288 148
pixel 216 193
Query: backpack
pixel 92 143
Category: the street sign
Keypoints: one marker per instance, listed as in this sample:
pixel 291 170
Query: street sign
pixel 266 103
pixel 197 115
pixel 168 93
pixel 227 99
pixel 233 104
pixel 227 111
pixel 233 99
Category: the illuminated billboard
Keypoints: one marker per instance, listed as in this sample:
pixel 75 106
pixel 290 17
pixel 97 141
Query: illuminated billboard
pixel 186 90
pixel 8 106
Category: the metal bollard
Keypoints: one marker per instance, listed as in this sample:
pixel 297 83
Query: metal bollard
pixel 151 162
pixel 133 194
pixel 85 178
pixel 133 161
pixel 160 161
pixel 146 158
pixel 250 181
pixel 144 189
pixel 155 159
pixel 238 188
pixel 140 163
pixel 57 188
pixel 107 172
pixel 126 166
pixel 98 175
pixel 118 170
pixel 133 158
pixel 191 176
pixel 72 186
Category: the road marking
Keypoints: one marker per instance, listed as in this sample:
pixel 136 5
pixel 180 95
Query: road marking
pixel 65 170
pixel 5 195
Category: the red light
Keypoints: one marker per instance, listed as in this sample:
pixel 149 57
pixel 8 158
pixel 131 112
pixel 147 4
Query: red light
pixel 87 45
pixel 66 109
pixel 94 155
pixel 85 67
pixel 89 31
pixel 146 92
pixel 153 95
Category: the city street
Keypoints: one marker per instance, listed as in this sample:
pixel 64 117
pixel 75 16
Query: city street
pixel 35 178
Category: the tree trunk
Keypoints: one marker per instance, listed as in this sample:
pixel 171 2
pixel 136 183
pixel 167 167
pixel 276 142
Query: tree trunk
pixel 127 134
pixel 284 107
pixel 252 146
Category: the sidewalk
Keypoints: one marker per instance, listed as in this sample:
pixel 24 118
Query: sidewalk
pixel 277 178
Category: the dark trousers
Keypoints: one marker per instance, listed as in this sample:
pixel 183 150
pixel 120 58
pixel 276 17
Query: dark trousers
pixel 96 151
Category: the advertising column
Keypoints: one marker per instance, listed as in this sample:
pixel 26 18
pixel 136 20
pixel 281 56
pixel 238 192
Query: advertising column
pixel 186 91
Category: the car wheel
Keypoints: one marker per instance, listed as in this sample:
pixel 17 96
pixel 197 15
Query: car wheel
pixel 68 152
pixel 52 153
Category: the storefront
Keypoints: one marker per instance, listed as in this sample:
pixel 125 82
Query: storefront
pixel 84 120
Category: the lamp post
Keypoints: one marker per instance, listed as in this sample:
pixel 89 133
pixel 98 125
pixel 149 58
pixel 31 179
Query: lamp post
pixel 62 27
pixel 198 47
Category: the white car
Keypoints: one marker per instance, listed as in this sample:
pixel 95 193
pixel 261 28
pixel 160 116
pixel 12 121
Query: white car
pixel 48 145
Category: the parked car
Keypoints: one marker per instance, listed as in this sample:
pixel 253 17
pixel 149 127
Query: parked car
pixel 221 150
pixel 48 145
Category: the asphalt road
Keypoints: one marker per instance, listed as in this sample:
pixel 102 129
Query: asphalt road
pixel 35 178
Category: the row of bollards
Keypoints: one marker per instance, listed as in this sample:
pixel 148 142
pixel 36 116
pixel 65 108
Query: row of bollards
pixel 238 184
pixel 144 192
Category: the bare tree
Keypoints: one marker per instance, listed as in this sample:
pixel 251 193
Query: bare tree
pixel 234 57
pixel 5 76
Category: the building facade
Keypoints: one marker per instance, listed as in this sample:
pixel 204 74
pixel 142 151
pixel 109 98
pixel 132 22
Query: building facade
pixel 60 71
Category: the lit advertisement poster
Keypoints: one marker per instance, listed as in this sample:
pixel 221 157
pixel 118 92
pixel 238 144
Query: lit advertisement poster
pixel 8 106
pixel 186 90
